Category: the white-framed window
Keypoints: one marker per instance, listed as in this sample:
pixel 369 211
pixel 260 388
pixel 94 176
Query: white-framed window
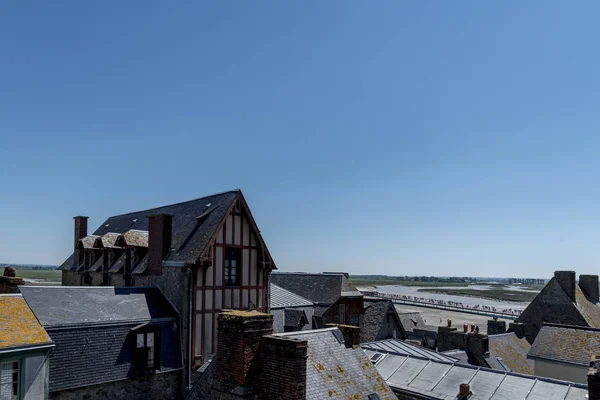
pixel 9 380
pixel 342 313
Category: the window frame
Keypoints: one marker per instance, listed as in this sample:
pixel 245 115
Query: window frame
pixel 342 311
pixel 13 384
pixel 140 356
pixel 232 254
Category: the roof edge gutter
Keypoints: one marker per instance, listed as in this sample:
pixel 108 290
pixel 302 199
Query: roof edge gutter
pixel 30 347
pixel 180 264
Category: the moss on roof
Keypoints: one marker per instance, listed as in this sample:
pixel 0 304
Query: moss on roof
pixel 18 324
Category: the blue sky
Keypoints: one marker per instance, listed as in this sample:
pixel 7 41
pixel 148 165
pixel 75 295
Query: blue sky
pixel 391 137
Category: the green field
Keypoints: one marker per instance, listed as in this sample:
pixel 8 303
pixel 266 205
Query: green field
pixel 44 276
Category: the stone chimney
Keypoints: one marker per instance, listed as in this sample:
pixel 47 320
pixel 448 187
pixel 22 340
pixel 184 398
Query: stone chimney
pixel 593 377
pixel 160 231
pixel 239 336
pixel 589 285
pixel 518 328
pixel 351 333
pixel 566 279
pixel 495 327
pixel 282 368
pixel 80 232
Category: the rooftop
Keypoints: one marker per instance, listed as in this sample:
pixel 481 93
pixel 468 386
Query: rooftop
pixel 507 348
pixel 323 289
pixel 402 348
pixel 566 343
pixel 18 325
pixel 335 371
pixel 69 305
pixel 281 298
pixel 440 380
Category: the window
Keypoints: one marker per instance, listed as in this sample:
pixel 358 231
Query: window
pixel 342 313
pixel 232 266
pixel 9 380
pixel 146 351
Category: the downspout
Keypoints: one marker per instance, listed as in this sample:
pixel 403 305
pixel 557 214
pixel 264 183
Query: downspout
pixel 191 286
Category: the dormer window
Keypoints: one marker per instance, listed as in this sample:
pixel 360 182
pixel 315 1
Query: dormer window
pixel 146 349
pixel 232 266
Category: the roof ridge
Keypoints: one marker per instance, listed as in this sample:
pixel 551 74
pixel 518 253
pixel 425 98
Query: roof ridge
pixel 175 204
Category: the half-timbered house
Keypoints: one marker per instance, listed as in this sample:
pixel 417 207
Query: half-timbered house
pixel 206 255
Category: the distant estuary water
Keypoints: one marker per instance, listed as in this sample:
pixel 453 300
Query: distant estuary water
pixel 413 291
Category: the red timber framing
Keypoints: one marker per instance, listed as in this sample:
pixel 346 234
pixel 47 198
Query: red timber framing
pixel 211 295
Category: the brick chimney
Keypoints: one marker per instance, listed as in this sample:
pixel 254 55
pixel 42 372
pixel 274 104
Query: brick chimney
pixel 589 285
pixel 593 377
pixel 283 368
pixel 160 231
pixel 81 229
pixel 566 279
pixel 239 336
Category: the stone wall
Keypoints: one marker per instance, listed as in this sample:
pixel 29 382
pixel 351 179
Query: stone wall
pixel 283 368
pixel 495 327
pixel 353 308
pixel 157 386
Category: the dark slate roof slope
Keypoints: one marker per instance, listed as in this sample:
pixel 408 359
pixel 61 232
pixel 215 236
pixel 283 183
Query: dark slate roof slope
pixel 375 316
pixel 190 235
pixel 74 305
pixel 411 320
pixel 281 298
pixel 565 343
pixel 323 289
pixel 507 348
pixel 334 371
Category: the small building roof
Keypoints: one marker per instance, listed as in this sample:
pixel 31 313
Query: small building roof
pixel 431 379
pixel 323 289
pixel 563 343
pixel 134 237
pixel 294 317
pixel 336 371
pixel 18 325
pixel 108 240
pixel 402 348
pixel 411 320
pixel 281 298
pixel 375 316
pixel 73 305
pixel 507 348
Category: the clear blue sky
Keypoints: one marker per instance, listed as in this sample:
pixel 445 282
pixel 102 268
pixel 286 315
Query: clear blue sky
pixel 390 137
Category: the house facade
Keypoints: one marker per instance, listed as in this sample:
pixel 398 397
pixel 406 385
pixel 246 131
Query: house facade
pixel 205 255
pixel 24 350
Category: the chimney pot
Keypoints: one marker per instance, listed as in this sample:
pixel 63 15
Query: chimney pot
pixel 449 323
pixel 589 285
pixel 465 328
pixel 464 390
pixel 472 327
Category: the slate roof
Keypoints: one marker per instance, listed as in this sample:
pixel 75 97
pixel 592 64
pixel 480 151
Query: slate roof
pixel 91 327
pixel 411 320
pixel 374 317
pixel 293 317
pixel 323 289
pixel 73 305
pixel 191 234
pixel 18 325
pixel 335 371
pixel 400 347
pixel 507 348
pixel 430 379
pixel 568 344
pixel 281 298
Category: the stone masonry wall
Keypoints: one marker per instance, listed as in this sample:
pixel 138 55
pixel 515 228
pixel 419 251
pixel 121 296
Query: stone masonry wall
pixel 157 386
pixel 283 372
